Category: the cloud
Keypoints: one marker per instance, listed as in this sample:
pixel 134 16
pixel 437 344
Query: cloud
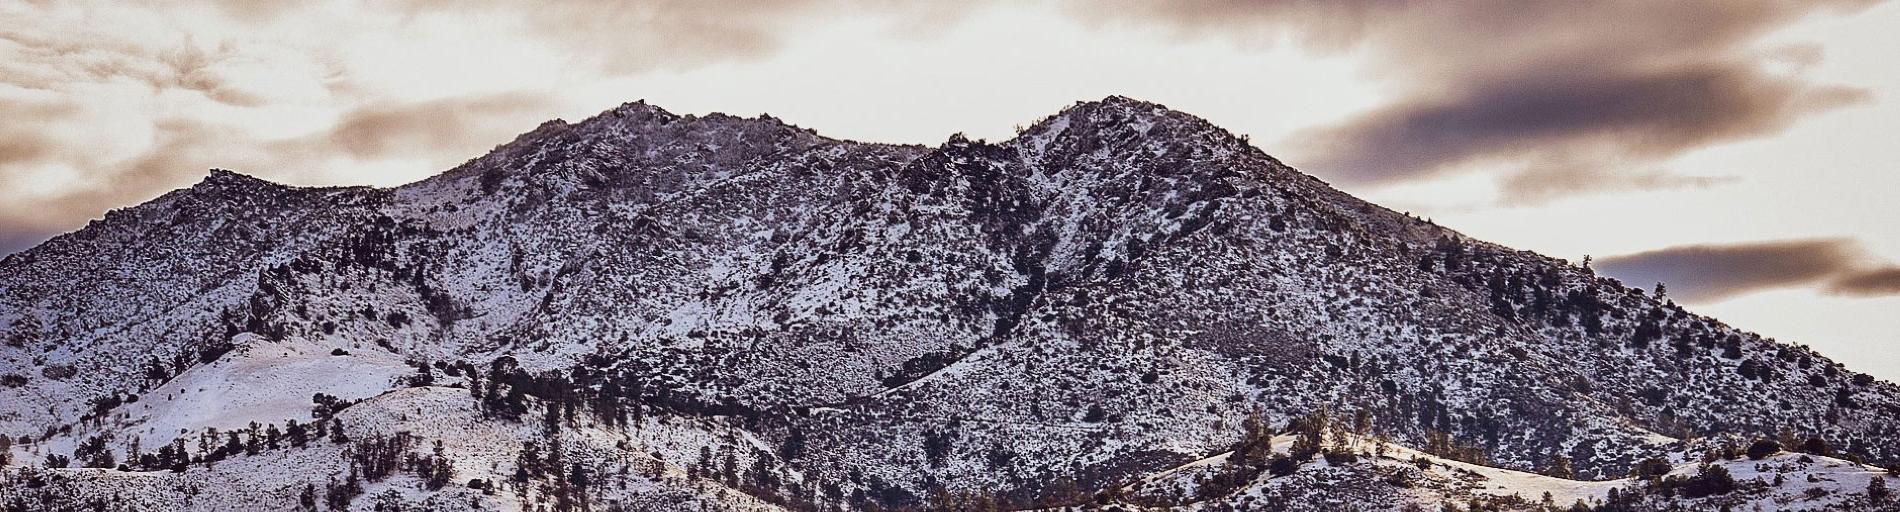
pixel 20 142
pixel 1626 83
pixel 458 127
pixel 1558 176
pixel 1870 283
pixel 619 36
pixel 632 36
pixel 1635 115
pixel 1709 273
pixel 24 147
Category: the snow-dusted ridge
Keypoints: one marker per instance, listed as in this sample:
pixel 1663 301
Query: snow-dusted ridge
pixel 737 313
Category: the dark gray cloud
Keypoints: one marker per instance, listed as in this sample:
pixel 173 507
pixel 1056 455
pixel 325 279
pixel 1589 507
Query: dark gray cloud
pixel 1641 114
pixel 1620 85
pixel 1706 273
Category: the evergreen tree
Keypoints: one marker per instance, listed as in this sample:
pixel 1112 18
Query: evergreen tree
pixel 439 469
pixel 272 436
pixel 297 433
pixel 93 453
pixel 232 445
pixel 1560 468
pixel 1309 436
pixel 1256 441
pixel 253 443
pixel 336 432
pixel 551 421
pixel 794 444
pixel 308 500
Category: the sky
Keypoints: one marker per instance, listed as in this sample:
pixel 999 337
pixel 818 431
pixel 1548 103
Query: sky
pixel 1741 151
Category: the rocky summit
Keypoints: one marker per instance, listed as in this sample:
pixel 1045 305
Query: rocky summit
pixel 1123 307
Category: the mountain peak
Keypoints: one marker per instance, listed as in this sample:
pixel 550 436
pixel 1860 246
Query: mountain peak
pixel 640 110
pixel 1117 101
pixel 223 179
pixel 1119 109
pixel 1129 124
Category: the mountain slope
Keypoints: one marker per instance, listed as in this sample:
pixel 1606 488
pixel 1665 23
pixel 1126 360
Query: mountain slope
pixel 1108 294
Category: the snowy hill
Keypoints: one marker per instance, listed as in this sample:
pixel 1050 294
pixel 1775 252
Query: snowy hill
pixel 1382 475
pixel 654 312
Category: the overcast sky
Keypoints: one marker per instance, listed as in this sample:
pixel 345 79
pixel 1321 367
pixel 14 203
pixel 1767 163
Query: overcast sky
pixel 1742 151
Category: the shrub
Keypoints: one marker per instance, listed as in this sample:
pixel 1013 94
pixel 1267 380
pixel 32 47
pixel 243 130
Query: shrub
pixel 1282 465
pixel 1762 448
pixel 1712 480
pixel 1817 446
pixel 1651 468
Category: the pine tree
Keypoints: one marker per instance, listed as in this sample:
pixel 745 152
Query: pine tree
pixel 308 500
pixel 272 436
pixel 551 421
pixel 794 444
pixel 1309 436
pixel 439 469
pixel 1256 440
pixel 253 443
pixel 336 432
pixel 232 445
pixel 132 451
pixel 1560 467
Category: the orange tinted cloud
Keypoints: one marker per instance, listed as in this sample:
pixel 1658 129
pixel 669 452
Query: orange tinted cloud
pixel 456 126
pixel 1870 283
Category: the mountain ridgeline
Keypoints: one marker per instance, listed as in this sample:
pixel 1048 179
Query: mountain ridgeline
pixel 737 313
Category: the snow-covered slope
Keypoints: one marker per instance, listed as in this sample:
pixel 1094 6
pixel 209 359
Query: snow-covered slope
pixel 1383 475
pixel 796 321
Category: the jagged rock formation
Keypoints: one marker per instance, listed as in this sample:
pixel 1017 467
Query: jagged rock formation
pixel 1105 296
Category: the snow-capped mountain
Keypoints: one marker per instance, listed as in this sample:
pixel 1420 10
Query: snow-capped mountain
pixel 1122 306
